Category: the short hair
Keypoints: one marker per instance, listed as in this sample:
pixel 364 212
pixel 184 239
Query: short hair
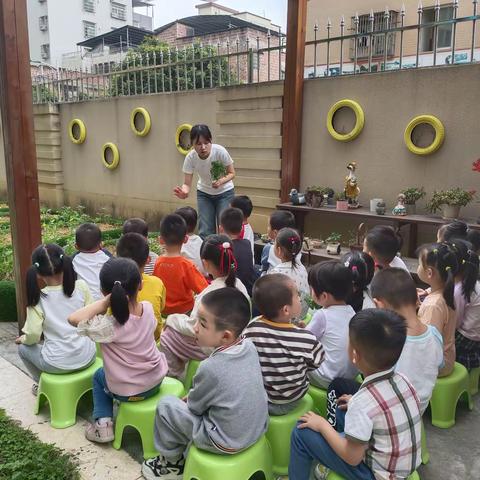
pixel 135 225
pixel 396 286
pixel 455 230
pixel 379 335
pixel 190 216
pixel 383 242
pixel 198 131
pixel 134 246
pixel 282 219
pixel 271 293
pixel 173 229
pixel 243 203
pixel 88 236
pixel 230 308
pixel 231 219
pixel 331 277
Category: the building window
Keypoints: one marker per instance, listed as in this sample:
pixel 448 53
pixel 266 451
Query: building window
pixel 89 29
pixel 43 22
pixel 378 41
pixel 45 51
pixel 444 32
pixel 119 11
pixel 190 32
pixel 89 6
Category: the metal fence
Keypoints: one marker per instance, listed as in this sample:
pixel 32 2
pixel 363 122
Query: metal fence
pixel 164 70
pixel 377 43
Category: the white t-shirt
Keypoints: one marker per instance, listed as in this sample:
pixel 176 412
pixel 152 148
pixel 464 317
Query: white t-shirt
pixel 248 235
pixel 368 300
pixel 330 326
pixel 397 262
pixel 88 266
pixel 191 250
pixel 420 361
pixel 298 274
pixel 193 163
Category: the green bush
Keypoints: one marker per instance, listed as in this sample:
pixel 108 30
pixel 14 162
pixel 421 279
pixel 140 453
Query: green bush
pixel 8 303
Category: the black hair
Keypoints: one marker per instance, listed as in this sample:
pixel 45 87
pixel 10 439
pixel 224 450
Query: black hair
pixel 231 219
pixel 190 216
pixel 383 243
pixel 244 204
pixel 134 246
pixel 282 219
pixel 362 266
pixel 121 278
pixel 379 335
pixel 88 237
pixel 271 293
pixel 290 243
pixel 49 260
pixel 473 236
pixel 135 225
pixel 230 308
pixel 198 131
pixel 468 265
pixel 214 249
pixel 173 229
pixel 396 286
pixel 442 258
pixel 456 229
pixel 331 277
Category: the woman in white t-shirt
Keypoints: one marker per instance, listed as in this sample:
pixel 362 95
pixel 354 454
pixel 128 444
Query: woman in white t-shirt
pixel 215 188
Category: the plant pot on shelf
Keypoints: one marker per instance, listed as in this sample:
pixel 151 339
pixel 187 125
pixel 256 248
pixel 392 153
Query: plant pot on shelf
pixel 333 248
pixel 411 209
pixel 342 204
pixel 450 212
pixel 313 199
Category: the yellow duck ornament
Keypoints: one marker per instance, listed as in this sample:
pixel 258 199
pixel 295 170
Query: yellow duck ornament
pixel 352 191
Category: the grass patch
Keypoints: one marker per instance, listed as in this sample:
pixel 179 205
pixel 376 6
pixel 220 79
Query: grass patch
pixel 24 457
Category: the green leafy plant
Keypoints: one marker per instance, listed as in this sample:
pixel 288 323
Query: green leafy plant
pixel 217 170
pixel 321 190
pixel 413 194
pixel 334 237
pixel 8 303
pixel 341 197
pixel 453 197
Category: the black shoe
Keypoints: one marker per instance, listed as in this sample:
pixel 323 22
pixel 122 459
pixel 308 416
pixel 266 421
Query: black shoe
pixel 160 467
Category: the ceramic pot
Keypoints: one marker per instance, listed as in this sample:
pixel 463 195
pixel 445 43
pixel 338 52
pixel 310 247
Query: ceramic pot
pixel 313 199
pixel 450 212
pixel 333 248
pixel 342 205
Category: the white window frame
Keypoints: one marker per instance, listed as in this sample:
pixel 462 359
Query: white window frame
pixel 45 50
pixel 118 11
pixel 89 29
pixel 89 6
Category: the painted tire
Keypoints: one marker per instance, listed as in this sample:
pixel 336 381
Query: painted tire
pixel 182 128
pixel 359 120
pixel 82 131
pixel 116 156
pixel 436 124
pixel 147 120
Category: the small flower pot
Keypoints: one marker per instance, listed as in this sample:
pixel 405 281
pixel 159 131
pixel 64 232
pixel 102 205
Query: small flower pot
pixel 411 209
pixel 450 212
pixel 313 199
pixel 342 204
pixel 334 248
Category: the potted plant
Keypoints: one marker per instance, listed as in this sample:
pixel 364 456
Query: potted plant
pixel 314 196
pixel 342 202
pixel 450 201
pixel 333 243
pixel 412 195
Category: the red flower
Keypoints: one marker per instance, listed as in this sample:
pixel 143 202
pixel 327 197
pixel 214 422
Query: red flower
pixel 476 165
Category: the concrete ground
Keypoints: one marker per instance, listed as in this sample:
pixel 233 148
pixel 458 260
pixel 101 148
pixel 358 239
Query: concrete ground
pixel 454 453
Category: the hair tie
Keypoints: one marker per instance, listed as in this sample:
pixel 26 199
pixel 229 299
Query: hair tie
pixel 226 245
pixel 36 264
pixel 463 262
pixel 117 282
pixel 347 262
pixel 354 268
pixel 232 262
pixel 293 239
pixel 61 256
pixel 435 250
pixel 447 268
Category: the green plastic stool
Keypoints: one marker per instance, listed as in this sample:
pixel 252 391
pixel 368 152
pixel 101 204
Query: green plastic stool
pixel 63 391
pixel 445 396
pixel 191 371
pixel 474 376
pixel 279 432
pixel 141 416
pixel 319 397
pixel 425 452
pixel 335 476
pixel 202 465
pixel 99 351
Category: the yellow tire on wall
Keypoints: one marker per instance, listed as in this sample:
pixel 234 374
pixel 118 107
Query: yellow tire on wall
pixel 359 120
pixel 436 124
pixel 146 117
pixel 115 153
pixel 186 127
pixel 82 131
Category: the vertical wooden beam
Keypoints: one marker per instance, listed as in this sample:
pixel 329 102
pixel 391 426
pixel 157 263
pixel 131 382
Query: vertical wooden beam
pixel 19 142
pixel 293 97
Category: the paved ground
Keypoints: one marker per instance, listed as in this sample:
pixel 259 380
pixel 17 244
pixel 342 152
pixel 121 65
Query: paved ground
pixel 454 453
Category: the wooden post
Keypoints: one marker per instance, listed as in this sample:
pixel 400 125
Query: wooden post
pixel 293 97
pixel 19 142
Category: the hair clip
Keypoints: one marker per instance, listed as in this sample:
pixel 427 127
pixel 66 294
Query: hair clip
pixel 447 268
pixel 463 262
pixel 354 268
pixel 117 282
pixel 61 256
pixel 36 264
pixel 226 245
pixel 435 250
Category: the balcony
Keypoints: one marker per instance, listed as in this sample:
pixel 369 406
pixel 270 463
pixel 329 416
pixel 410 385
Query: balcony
pixel 144 22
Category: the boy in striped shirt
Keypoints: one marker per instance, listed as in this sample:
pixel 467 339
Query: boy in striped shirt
pixel 286 353
pixel 380 436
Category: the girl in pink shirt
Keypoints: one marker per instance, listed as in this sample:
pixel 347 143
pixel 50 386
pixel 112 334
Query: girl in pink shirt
pixel 133 366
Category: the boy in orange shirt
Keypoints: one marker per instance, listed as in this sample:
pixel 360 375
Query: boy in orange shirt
pixel 179 275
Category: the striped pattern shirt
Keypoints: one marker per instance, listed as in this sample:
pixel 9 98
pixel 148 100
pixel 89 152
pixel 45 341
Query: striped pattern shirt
pixel 286 354
pixel 148 269
pixel 385 414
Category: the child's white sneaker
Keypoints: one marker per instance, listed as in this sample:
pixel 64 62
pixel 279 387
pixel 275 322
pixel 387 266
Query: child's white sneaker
pixel 100 433
pixel 321 472
pixel 160 467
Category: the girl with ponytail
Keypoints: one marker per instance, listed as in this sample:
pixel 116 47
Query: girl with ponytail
pixel 53 293
pixel 362 266
pixel 133 367
pixel 438 267
pixel 178 339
